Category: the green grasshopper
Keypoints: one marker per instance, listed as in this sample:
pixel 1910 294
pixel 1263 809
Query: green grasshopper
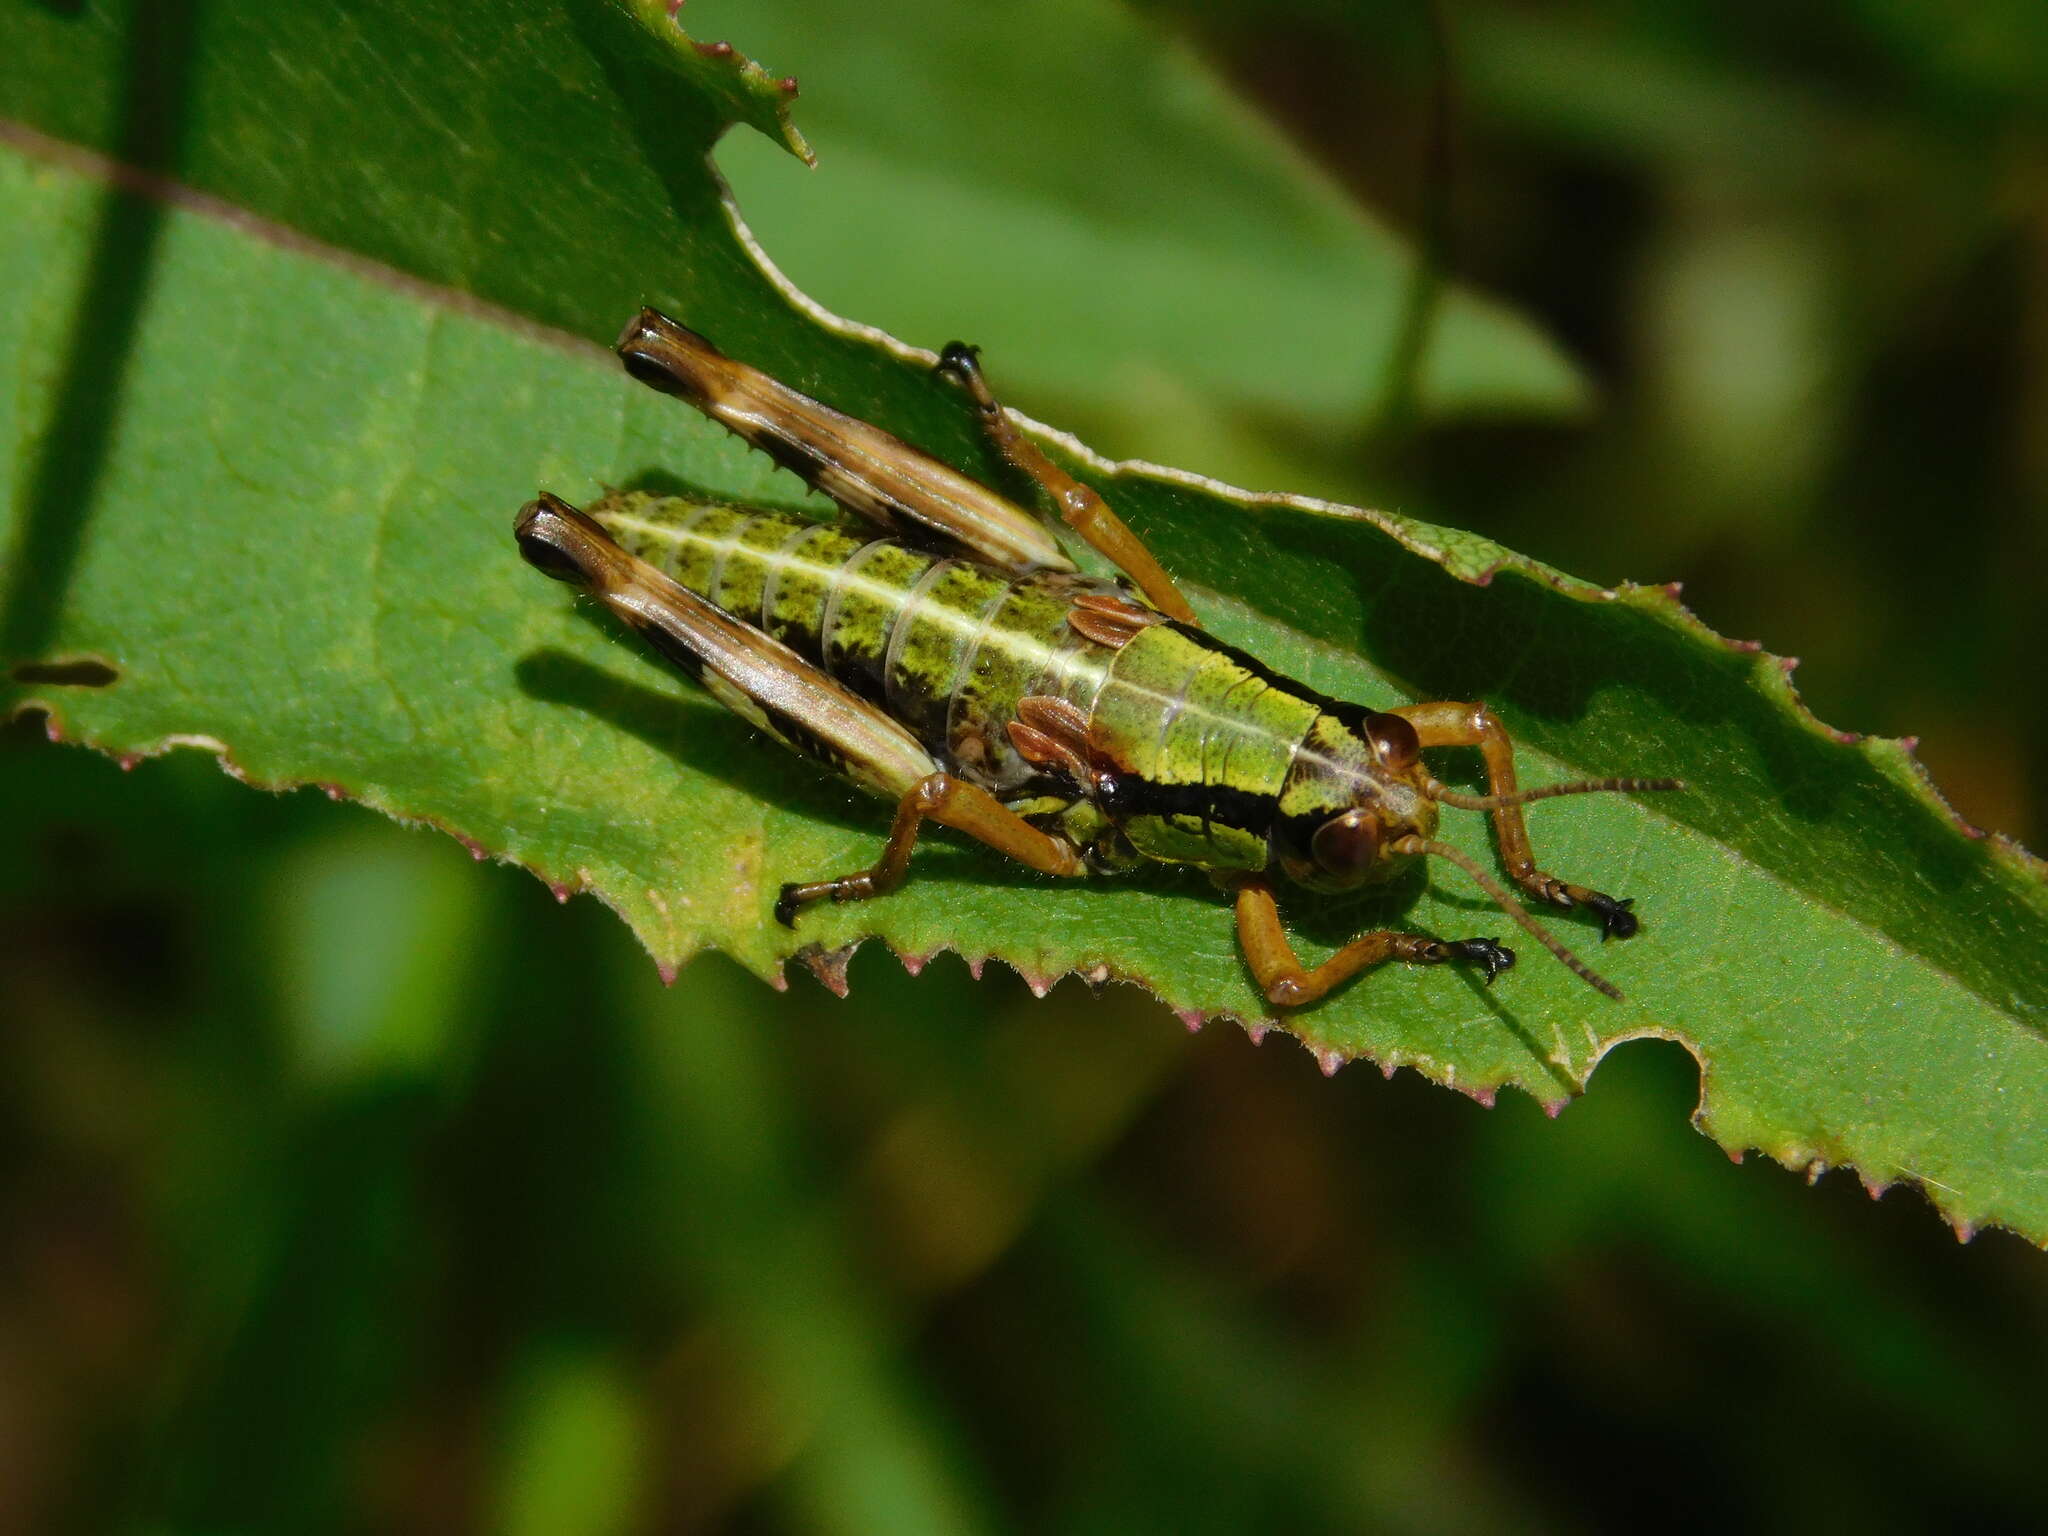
pixel 951 658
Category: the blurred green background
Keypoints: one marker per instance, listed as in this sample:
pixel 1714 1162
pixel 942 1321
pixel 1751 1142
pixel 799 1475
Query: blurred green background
pixel 348 1185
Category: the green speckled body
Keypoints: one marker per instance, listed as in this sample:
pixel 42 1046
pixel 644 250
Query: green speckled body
pixel 1195 753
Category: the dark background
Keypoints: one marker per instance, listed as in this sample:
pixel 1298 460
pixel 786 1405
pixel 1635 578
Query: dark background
pixel 344 1184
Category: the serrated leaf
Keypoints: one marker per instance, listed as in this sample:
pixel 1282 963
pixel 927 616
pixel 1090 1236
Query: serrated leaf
pixel 281 516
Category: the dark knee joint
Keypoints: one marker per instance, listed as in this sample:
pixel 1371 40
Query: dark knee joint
pixel 788 903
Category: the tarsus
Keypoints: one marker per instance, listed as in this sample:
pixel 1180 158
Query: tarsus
pixel 1520 914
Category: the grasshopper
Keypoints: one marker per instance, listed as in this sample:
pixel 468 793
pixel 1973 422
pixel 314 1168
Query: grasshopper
pixel 942 651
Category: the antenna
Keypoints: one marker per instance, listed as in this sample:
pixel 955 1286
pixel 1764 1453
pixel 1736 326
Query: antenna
pixel 1520 914
pixel 1464 802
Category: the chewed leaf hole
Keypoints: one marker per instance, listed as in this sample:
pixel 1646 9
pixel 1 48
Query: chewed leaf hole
pixel 76 672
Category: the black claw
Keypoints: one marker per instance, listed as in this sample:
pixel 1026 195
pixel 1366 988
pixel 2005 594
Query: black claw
pixel 1616 921
pixel 1490 955
pixel 958 361
pixel 787 907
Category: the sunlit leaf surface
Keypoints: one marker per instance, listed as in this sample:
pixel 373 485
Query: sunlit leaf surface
pixel 268 433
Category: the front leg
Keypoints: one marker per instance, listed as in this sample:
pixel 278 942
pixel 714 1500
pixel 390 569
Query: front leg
pixel 1474 725
pixel 1287 984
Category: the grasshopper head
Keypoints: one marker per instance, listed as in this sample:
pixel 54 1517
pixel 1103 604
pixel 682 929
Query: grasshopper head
pixel 1356 790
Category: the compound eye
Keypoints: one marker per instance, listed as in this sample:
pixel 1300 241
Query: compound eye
pixel 1394 739
pixel 1346 846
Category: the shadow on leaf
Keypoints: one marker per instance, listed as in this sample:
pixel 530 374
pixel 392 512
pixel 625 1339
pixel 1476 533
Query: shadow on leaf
pixel 697 734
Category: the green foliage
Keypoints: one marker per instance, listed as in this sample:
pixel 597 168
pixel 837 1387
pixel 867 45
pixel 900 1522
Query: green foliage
pixel 1147 177
pixel 284 525
pixel 351 1185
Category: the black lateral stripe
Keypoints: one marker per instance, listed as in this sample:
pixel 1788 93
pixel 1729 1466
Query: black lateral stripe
pixel 1247 810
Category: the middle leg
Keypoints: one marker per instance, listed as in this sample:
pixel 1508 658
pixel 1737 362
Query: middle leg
pixel 951 802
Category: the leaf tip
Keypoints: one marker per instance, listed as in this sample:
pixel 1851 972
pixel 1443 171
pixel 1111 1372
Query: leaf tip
pixel 829 966
pixel 750 94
